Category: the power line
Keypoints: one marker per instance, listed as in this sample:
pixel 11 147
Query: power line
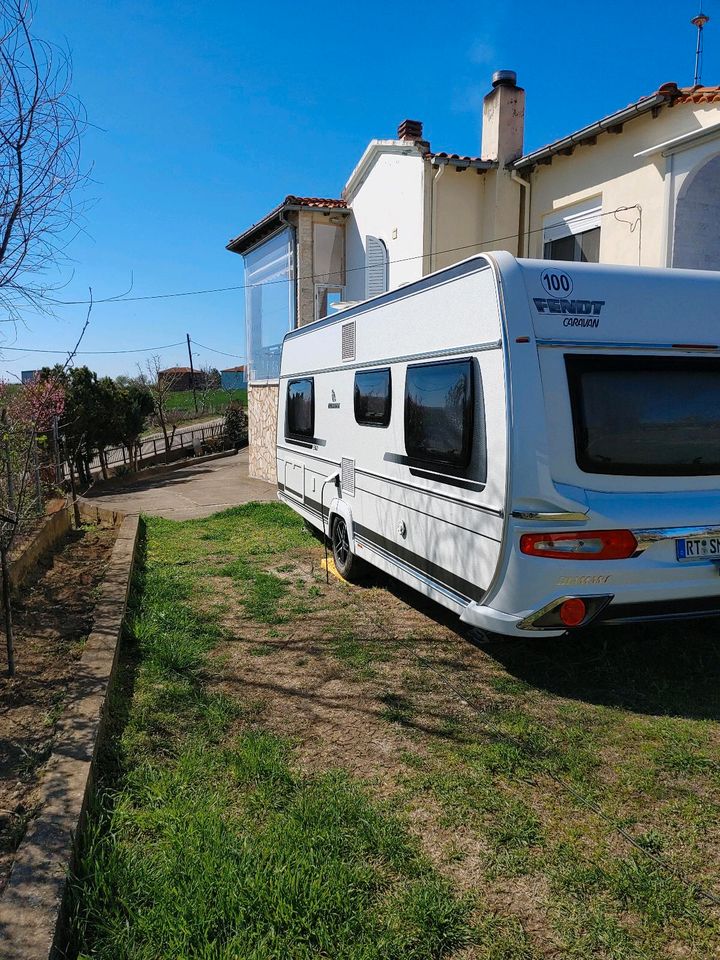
pixel 313 277
pixel 224 353
pixel 95 352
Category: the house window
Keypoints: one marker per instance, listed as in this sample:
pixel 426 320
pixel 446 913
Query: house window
pixel 573 233
pixel 439 405
pixel 373 397
pixel 300 417
pixel 328 266
pixel 376 267
pixel 269 303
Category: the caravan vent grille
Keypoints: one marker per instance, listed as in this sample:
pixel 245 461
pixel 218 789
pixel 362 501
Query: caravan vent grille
pixel 347 469
pixel 348 341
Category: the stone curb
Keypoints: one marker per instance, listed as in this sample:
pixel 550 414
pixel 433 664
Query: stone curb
pixel 32 921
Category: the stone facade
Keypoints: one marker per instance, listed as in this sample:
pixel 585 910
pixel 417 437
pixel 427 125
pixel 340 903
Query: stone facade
pixel 305 292
pixel 262 427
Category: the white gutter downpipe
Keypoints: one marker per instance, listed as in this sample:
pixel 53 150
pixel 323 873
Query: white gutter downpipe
pixel 433 223
pixel 525 186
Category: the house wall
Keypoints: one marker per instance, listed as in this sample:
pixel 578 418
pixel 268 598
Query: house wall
pixel 609 169
pixel 456 219
pixel 388 205
pixel 262 424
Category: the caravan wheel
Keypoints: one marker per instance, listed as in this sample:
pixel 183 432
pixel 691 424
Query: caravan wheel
pixel 345 560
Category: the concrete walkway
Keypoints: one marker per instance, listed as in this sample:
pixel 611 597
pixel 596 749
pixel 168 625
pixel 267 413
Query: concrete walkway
pixel 192 491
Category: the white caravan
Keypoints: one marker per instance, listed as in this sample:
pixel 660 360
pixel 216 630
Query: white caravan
pixel 534 445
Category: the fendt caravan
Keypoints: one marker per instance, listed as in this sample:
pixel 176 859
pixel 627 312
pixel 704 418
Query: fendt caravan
pixel 534 445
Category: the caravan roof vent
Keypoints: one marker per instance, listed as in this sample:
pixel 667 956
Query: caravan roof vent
pixel 348 341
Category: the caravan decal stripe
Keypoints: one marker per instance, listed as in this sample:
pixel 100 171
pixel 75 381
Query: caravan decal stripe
pixel 463 589
pixel 407 358
pixel 435 494
pixel 313 457
pixel 451 481
pixel 619 345
pixel 444 577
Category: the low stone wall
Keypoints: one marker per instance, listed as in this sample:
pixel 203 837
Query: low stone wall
pixel 262 431
pixel 32 922
pixel 53 531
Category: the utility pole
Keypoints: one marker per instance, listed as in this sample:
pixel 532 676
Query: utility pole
pixel 192 373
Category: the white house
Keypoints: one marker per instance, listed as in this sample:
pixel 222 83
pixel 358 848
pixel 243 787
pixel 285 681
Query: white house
pixel 640 186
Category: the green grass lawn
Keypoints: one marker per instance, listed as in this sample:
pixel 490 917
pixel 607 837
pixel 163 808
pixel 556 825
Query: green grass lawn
pixel 304 770
pixel 209 401
pixel 206 840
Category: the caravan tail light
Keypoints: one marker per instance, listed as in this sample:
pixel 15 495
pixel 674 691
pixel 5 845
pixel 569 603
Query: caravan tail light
pixel 580 545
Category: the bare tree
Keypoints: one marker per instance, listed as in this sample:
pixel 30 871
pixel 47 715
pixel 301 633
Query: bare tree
pixel 40 127
pixel 160 384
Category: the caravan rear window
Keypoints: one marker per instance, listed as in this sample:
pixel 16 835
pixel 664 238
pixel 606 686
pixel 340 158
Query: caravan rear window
pixel 300 422
pixel 646 416
pixel 439 412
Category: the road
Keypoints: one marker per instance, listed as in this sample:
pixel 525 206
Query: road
pixel 196 490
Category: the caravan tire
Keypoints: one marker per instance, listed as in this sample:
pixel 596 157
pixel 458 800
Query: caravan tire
pixel 346 563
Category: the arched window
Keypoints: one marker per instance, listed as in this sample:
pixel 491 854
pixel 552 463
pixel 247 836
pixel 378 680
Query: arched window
pixel 697 219
pixel 376 267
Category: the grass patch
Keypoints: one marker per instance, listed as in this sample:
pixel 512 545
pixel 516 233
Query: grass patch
pixel 209 401
pixel 208 843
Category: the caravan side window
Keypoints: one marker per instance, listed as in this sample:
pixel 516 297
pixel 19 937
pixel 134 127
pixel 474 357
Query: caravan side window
pixel 300 416
pixel 439 405
pixel 373 397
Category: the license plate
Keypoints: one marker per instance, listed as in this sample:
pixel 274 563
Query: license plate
pixel 698 548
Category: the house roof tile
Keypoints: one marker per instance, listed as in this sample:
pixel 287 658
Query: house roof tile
pixel 699 95
pixel 291 201
pixel 272 221
pixel 668 94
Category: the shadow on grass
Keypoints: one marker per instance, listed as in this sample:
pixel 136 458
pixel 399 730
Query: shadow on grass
pixel 667 669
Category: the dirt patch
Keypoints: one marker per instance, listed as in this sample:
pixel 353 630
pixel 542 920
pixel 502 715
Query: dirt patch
pixel 488 769
pixel 52 616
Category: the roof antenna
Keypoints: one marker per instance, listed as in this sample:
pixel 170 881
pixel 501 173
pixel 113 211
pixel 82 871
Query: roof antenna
pixel 699 21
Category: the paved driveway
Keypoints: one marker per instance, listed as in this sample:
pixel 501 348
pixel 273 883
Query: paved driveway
pixel 196 490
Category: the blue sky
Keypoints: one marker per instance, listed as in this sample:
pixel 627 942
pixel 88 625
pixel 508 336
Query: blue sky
pixel 207 114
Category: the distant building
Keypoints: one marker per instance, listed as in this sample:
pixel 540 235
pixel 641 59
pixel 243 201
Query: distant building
pixel 181 378
pixel 233 378
pixel 27 376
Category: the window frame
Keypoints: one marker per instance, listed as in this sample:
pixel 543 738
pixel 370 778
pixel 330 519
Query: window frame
pixel 576 365
pixel 290 434
pixel 320 289
pixel 579 253
pixel 382 424
pixel 465 458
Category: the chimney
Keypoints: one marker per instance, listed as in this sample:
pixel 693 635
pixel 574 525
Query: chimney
pixel 503 119
pixel 410 130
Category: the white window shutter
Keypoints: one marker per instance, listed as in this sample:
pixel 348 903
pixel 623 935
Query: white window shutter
pixel 376 267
